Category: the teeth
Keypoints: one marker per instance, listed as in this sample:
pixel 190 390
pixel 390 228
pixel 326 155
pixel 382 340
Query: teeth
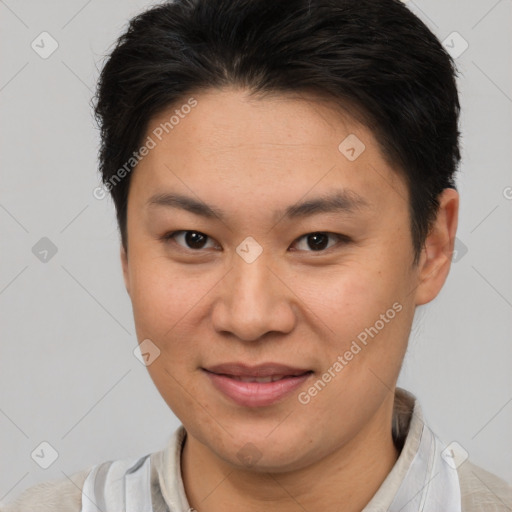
pixel 271 378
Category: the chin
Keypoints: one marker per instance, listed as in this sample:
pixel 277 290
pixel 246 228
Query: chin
pixel 264 449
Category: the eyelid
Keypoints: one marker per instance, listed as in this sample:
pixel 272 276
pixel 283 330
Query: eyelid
pixel 341 239
pixel 170 237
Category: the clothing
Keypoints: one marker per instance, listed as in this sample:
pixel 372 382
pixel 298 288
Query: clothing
pixel 427 477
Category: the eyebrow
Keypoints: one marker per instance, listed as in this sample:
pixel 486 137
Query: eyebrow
pixel 340 201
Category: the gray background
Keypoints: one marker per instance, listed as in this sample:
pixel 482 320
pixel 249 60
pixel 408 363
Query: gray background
pixel 67 372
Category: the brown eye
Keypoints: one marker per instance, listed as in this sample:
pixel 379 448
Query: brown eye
pixel 192 240
pixel 318 241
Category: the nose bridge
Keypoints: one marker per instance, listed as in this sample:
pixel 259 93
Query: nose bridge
pixel 253 301
pixel 253 279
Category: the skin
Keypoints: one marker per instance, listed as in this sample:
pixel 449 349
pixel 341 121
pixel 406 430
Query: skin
pixel 293 305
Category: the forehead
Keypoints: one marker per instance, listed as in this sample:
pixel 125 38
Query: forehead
pixel 262 149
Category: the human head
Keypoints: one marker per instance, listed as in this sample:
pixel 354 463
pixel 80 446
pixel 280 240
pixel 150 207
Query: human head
pixel 261 132
pixel 376 60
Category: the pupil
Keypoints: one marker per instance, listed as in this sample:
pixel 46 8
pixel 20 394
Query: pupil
pixel 320 245
pixel 192 238
pixel 196 240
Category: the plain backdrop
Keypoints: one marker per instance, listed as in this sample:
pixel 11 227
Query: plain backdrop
pixel 68 375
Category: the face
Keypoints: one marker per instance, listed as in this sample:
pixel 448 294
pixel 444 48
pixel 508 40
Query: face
pixel 249 270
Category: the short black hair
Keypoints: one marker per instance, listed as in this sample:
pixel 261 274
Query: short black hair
pixel 374 58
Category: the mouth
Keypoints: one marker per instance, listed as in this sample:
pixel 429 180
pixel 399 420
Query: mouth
pixel 271 378
pixel 256 386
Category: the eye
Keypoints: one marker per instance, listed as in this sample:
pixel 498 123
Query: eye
pixel 192 240
pixel 319 241
pixel 196 241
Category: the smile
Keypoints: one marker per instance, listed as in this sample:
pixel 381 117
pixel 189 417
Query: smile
pixel 257 386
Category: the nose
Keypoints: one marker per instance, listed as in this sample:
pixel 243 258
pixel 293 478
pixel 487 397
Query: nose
pixel 253 300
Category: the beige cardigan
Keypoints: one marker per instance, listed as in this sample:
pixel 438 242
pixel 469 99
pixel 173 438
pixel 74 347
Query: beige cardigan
pixel 481 491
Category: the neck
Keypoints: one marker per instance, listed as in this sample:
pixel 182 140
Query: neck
pixel 345 480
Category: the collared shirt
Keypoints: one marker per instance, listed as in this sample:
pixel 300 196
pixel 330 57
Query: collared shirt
pixel 428 476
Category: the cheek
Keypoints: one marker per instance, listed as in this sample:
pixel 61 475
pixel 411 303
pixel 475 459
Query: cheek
pixel 168 302
pixel 162 293
pixel 349 297
pixel 365 318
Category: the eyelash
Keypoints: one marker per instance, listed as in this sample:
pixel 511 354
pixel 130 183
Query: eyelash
pixel 343 239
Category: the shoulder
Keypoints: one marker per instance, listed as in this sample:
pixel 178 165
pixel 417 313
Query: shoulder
pixel 59 495
pixel 106 478
pixel 483 491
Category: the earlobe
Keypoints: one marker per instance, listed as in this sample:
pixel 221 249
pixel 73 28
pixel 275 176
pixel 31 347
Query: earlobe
pixel 436 256
pixel 124 265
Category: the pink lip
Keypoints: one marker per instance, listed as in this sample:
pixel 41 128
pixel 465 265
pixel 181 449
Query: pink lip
pixel 256 394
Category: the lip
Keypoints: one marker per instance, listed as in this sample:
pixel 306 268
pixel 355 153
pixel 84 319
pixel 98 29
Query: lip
pixel 260 370
pixel 256 394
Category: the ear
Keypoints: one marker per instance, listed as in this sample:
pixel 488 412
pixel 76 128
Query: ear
pixel 436 256
pixel 124 265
